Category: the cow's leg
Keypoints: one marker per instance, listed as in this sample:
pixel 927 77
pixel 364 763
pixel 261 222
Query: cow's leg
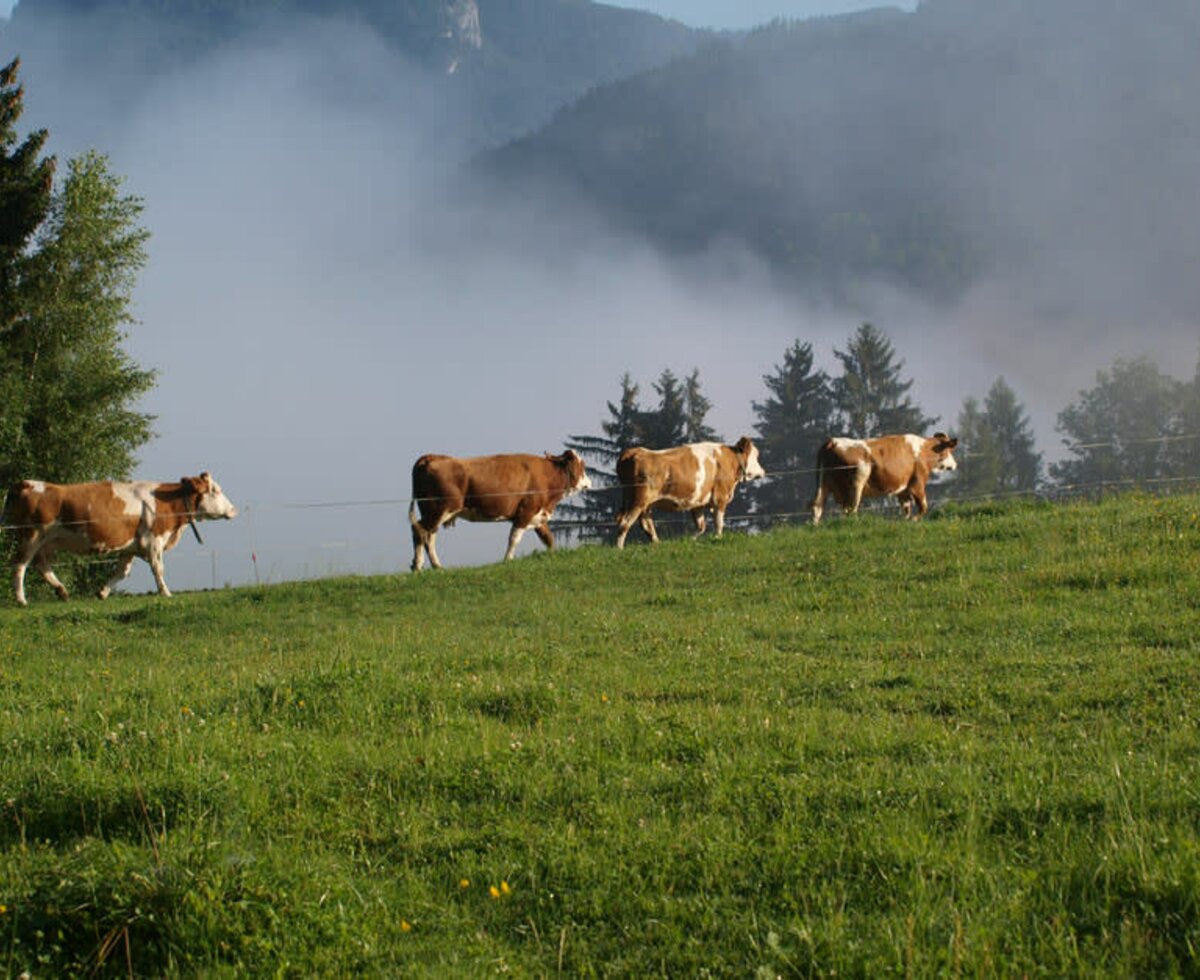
pixel 42 563
pixel 545 536
pixel 155 558
pixel 119 576
pixel 418 539
pixel 27 550
pixel 430 546
pixel 917 495
pixel 20 563
pixel 719 520
pixel 625 520
pixel 428 538
pixel 647 523
pixel 856 491
pixel 19 582
pixel 699 521
pixel 514 537
pixel 818 502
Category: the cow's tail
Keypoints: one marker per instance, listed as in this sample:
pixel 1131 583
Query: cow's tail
pixel 817 505
pixel 10 500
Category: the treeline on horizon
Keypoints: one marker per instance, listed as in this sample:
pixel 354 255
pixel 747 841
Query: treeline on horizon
pixel 1137 426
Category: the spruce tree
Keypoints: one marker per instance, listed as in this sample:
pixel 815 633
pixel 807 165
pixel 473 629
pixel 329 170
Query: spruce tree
pixel 792 423
pixel 591 513
pixel 695 408
pixel 1020 463
pixel 665 425
pixel 980 466
pixel 870 397
pixel 26 183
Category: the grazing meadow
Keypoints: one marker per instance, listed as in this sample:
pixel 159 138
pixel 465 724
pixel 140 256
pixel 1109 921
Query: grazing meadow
pixel 965 746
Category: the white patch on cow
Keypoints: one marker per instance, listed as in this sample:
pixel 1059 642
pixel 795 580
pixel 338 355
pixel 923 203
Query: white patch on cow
pixel 540 518
pixel 705 453
pixel 135 497
pixel 754 470
pixel 841 445
pixel 946 464
pixel 585 483
pixel 916 444
pixel 37 486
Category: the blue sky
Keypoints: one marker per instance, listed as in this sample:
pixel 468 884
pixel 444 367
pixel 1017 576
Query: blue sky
pixel 734 14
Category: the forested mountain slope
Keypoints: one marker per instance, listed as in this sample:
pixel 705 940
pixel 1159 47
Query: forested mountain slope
pixel 923 148
pixel 511 61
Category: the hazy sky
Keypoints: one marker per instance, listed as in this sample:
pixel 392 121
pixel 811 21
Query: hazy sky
pixel 737 14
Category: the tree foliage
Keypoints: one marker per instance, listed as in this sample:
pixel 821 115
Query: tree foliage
pixel 1126 428
pixel 998 454
pixel 791 424
pixel 67 387
pixel 678 417
pixel 870 396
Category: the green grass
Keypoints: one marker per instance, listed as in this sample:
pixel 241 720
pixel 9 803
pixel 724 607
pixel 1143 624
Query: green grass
pixel 965 746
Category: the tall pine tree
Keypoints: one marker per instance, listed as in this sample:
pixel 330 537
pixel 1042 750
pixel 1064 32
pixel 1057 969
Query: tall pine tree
pixel 587 516
pixel 870 397
pixel 678 417
pixel 998 455
pixel 792 423
pixel 695 408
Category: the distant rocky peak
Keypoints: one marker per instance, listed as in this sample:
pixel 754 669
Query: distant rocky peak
pixel 464 20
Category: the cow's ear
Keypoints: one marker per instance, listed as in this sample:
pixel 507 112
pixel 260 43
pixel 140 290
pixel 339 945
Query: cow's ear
pixel 940 436
pixel 743 445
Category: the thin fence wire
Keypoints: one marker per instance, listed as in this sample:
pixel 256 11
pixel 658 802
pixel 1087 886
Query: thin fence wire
pixel 1048 491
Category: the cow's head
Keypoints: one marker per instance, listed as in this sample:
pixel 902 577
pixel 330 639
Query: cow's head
pixel 749 468
pixel 206 499
pixel 572 464
pixel 942 446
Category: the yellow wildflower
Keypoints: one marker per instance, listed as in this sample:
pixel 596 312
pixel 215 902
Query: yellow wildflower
pixel 493 891
pixel 504 888
pixel 464 883
pixel 405 925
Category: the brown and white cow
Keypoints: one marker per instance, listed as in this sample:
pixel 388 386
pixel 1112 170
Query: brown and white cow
pixel 133 520
pixel 692 478
pixel 516 487
pixel 889 466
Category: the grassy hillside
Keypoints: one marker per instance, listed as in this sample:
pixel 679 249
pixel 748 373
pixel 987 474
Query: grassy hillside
pixel 968 745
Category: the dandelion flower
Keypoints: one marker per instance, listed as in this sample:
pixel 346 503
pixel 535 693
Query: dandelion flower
pixel 405 925
pixel 504 888
pixel 464 882
pixel 493 891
